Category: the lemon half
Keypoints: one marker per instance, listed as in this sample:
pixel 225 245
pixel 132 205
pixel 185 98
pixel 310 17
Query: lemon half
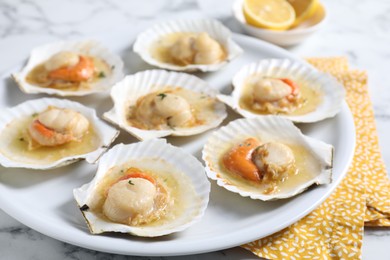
pixel 269 14
pixel 304 9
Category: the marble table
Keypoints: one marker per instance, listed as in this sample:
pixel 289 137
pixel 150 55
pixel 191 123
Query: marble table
pixel 359 30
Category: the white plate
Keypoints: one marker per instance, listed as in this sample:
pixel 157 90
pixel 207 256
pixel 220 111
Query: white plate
pixel 44 201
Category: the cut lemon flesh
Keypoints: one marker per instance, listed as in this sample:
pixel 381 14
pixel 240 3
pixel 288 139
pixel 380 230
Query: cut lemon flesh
pixel 269 14
pixel 303 9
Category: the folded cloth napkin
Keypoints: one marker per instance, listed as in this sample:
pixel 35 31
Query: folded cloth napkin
pixel 335 229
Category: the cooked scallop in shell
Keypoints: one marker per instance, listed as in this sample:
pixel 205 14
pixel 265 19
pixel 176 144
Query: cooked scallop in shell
pixel 285 88
pixel 163 108
pixel 56 126
pixel 146 189
pixel 158 103
pixel 48 133
pixel 188 48
pixel 70 69
pixel 266 158
pixel 136 199
pixel 187 45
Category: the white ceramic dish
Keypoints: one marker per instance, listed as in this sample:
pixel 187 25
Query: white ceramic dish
pixel 214 28
pixel 282 38
pixel 127 92
pixel 105 132
pixel 169 156
pixel 42 53
pixel 266 129
pixel 45 202
pixel 333 92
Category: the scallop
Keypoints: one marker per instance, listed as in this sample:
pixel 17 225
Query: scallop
pixel 48 133
pixel 147 189
pixel 187 45
pixel 158 103
pixel 266 158
pixel 70 69
pixel 290 89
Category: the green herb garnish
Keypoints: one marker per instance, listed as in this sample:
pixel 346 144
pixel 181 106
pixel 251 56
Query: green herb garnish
pixel 130 182
pixel 102 74
pixel 162 95
pixel 34 115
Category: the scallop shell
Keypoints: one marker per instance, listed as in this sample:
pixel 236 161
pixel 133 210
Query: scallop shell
pixel 266 128
pixel 169 155
pixel 87 47
pixel 126 93
pixel 107 133
pixel 333 91
pixel 213 27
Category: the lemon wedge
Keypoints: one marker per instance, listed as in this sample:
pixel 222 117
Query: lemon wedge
pixel 303 9
pixel 269 14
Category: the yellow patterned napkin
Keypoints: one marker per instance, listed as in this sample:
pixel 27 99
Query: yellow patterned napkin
pixel 335 229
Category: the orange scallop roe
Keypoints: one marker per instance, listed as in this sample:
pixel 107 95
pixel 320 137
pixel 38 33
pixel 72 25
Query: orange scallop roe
pixel 82 71
pixel 42 129
pixel 136 173
pixel 239 160
pixel 294 86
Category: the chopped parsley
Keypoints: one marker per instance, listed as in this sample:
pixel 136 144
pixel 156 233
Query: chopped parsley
pixel 34 115
pixel 162 95
pixel 102 74
pixel 130 182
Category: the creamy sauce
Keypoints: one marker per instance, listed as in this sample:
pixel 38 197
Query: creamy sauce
pixel 14 139
pixel 178 186
pixel 310 98
pixel 160 49
pixel 202 108
pixel 305 162
pixel 39 76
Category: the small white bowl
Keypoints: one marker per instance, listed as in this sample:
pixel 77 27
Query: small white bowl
pixel 282 38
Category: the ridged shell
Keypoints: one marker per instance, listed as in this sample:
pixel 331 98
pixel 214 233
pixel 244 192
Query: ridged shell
pixel 214 28
pixel 107 133
pixel 266 128
pixel 333 92
pixel 87 47
pixel 156 148
pixel 126 93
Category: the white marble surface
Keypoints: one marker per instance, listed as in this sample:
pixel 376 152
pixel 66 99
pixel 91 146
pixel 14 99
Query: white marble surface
pixel 357 29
